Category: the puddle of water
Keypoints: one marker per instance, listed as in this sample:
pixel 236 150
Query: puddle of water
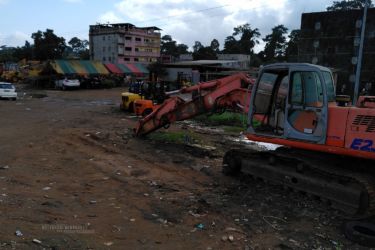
pixel 261 145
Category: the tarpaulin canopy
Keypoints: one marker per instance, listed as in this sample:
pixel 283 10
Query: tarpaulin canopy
pixel 136 69
pixel 80 67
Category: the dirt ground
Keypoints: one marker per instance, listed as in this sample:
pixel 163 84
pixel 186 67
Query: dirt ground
pixel 73 177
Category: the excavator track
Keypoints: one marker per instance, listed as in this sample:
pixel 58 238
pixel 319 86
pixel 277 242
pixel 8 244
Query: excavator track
pixel 335 179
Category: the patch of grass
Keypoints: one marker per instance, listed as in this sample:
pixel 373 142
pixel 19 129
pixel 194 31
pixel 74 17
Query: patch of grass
pixel 234 129
pixel 180 137
pixel 226 118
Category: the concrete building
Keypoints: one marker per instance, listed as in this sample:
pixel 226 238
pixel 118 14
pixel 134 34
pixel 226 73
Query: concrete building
pixel 332 39
pixel 124 43
pixel 242 60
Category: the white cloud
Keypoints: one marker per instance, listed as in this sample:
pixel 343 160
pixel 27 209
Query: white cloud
pixel 196 20
pixel 15 39
pixel 110 17
pixel 73 1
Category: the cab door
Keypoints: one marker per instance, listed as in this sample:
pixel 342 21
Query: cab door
pixel 306 108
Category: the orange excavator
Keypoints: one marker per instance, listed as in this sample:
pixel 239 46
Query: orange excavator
pixel 329 149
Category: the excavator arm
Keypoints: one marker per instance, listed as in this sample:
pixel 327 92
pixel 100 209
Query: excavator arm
pixel 207 97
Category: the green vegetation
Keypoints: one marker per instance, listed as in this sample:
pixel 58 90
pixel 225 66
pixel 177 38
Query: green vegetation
pixel 226 118
pixel 180 137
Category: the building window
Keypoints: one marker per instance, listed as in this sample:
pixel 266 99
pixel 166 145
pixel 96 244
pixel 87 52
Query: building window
pixel 128 38
pixel 103 38
pixel 109 59
pixel 138 39
pixel 103 49
pixel 317 26
pixel 127 59
pixel 137 49
pixel 109 49
pixel 104 58
pixel 147 40
pixel 128 48
pixel 136 59
pixel 148 50
pixel 109 37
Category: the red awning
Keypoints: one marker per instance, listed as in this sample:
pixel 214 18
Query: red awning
pixel 134 69
pixel 113 68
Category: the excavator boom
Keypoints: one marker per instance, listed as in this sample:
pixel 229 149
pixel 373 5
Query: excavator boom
pixel 228 92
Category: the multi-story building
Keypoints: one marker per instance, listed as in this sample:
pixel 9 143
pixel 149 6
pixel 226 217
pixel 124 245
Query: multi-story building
pixel 333 39
pixel 124 43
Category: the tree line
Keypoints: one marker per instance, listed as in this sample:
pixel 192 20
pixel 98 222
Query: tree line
pixel 279 45
pixel 47 45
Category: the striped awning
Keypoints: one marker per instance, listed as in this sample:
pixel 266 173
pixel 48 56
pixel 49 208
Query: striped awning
pixel 135 69
pixel 79 67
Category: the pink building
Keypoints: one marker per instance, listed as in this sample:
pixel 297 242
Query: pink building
pixel 124 43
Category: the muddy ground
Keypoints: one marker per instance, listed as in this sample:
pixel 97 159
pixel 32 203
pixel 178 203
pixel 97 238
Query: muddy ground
pixel 73 177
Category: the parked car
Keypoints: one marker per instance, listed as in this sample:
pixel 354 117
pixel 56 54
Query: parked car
pixel 67 83
pixel 7 90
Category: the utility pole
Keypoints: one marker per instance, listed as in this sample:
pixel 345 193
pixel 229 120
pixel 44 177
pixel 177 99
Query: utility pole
pixel 360 55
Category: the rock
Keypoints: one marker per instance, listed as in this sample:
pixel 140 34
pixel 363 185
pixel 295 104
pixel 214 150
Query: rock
pixel 224 238
pixel 46 188
pixel 109 243
pixel 132 219
pixel 93 202
pixel 5 167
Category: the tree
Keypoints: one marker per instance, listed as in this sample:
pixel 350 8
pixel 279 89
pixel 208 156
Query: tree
pixel 170 47
pixel 275 43
pixel 292 44
pixel 79 47
pixel 24 52
pixel 349 5
pixel 182 49
pixel 231 45
pixel 47 45
pixel 248 38
pixel 7 54
pixel 215 45
pixel 197 46
pixel 201 52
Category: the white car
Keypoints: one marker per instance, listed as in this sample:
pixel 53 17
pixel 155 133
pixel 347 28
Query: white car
pixel 7 90
pixel 67 83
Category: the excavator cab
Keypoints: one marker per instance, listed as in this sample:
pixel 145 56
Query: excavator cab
pixel 290 101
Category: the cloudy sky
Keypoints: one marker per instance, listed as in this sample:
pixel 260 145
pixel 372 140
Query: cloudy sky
pixel 186 21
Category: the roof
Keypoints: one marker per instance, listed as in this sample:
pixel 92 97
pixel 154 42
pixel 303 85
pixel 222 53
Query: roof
pixel 204 62
pixel 127 25
pixel 288 65
pixel 80 67
pixel 135 69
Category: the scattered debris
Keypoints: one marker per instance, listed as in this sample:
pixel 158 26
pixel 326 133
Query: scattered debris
pixel 109 243
pixel 46 188
pixel 36 241
pixel 199 226
pixel 18 233
pixel 4 167
pixel 231 238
